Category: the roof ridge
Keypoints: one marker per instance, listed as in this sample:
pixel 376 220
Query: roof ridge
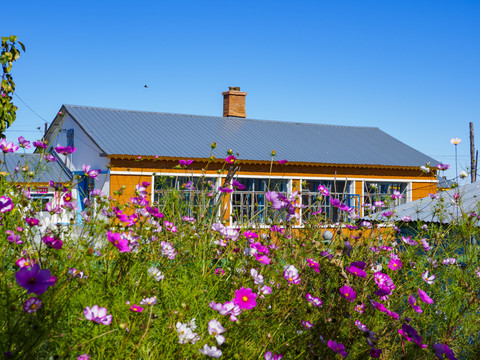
pixel 221 117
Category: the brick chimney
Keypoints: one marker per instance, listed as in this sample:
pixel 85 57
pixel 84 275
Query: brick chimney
pixel 234 102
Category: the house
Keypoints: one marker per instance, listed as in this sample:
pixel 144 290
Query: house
pixel 358 164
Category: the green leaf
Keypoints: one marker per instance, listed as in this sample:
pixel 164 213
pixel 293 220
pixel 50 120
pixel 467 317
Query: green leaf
pixel 12 38
pixel 23 46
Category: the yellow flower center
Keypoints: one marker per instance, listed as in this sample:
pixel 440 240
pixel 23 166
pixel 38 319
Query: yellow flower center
pixel 33 306
pixel 245 298
pixel 346 294
pixel 290 279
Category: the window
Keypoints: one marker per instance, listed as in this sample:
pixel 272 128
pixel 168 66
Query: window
pixel 41 199
pixel 313 200
pixel 249 205
pixel 194 193
pixel 383 191
pixel 70 141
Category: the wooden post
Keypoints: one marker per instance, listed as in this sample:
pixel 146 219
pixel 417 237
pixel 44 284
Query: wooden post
pixel 473 165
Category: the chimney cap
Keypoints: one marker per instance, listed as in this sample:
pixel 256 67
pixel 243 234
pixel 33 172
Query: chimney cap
pixel 234 88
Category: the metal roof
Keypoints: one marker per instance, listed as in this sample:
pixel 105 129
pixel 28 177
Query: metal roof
pixel 444 210
pixel 44 170
pixel 125 132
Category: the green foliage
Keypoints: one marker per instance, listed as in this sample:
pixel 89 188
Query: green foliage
pixel 10 53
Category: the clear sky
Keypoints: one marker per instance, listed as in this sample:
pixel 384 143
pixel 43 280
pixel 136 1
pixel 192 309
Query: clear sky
pixel 411 68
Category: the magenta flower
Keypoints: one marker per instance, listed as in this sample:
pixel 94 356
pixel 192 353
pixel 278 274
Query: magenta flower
pixel 136 308
pixel 375 353
pixel 6 204
pixel 316 301
pixel 323 190
pixel 225 189
pixel 118 241
pixel 98 315
pixel 33 279
pixel 262 258
pixel 307 324
pixel 337 347
pixel 230 159
pixel 32 221
pixel 424 297
pixel 314 265
pixel 397 195
pixel 271 356
pixel 184 163
pixel 52 242
pixel 32 305
pixel 84 357
pixel 395 264
pixel 238 185
pixel 65 150
pixel 412 301
pixel 49 157
pixel 282 162
pixel 40 144
pixel 245 298
pixel 356 271
pixel 12 237
pixel 360 308
pixel 24 263
pixel 348 293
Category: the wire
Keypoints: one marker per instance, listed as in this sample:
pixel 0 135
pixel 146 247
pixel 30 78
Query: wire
pixel 33 111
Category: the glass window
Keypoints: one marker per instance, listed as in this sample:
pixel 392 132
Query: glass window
pixel 315 202
pixel 249 205
pixel 383 191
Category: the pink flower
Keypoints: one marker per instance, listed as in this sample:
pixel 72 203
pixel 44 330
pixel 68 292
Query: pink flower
pixel 314 265
pixel 395 264
pixel 65 150
pixel 337 347
pixel 230 159
pixel 307 324
pixel 98 315
pixel 282 162
pixel 40 144
pixel 356 271
pixel 24 263
pixel 271 356
pixel 216 329
pixel 323 190
pixel 23 143
pixel 360 308
pixel 52 242
pixel 291 274
pixel 6 204
pixel 245 298
pixel 262 258
pixel 136 308
pixel 427 279
pixel 424 297
pixel 316 301
pixel 8 147
pixel 93 173
pixel 120 243
pixel 149 301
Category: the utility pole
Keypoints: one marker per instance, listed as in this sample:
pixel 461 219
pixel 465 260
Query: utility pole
pixel 473 165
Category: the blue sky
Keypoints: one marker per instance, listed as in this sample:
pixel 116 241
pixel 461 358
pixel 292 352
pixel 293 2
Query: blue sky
pixel 410 68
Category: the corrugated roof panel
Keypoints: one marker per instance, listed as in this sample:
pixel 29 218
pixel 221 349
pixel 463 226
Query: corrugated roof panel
pixel 178 135
pixel 44 171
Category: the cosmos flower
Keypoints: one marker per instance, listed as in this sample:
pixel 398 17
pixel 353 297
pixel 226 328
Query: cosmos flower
pixel 32 305
pixel 230 159
pixel 136 308
pixel 52 242
pixel 211 351
pixel 40 144
pixel 271 356
pixel 8 147
pixel 65 150
pixel 337 347
pixel 290 273
pixel 91 173
pixel 184 163
pixel 216 329
pixel 348 293
pixel 395 264
pixel 149 301
pixel 314 265
pixel 245 298
pixel 257 278
pixel 427 279
pixel 316 301
pixel 97 315
pixel 6 204
pixel 356 271
pixel 413 302
pixel 33 279
pixel 23 143
pixel 424 297
pixel 455 141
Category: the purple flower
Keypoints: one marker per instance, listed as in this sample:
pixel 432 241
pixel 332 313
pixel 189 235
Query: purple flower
pixel 347 248
pixel 98 315
pixel 32 305
pixel 65 150
pixel 291 274
pixel 32 221
pixel 282 162
pixel 184 163
pixel 412 301
pixel 441 349
pixel 40 144
pixel 424 297
pixel 335 202
pixel 33 279
pixel 6 204
pixel 360 308
pixel 424 244
pixel 52 242
pixel 323 190
pixel 12 237
pixel 375 353
pixel 356 271
pixel 397 195
pixel 271 356
pixel 326 254
pixel 91 173
pixel 120 243
pixel 84 357
pixel 395 264
pixel 408 240
pixel 449 261
pixel 238 185
pixel 348 293
pixel 337 347
pixel 314 265
pixel 307 324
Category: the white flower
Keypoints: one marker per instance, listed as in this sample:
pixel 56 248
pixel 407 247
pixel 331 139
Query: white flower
pixel 455 141
pixel 425 169
pixel 257 279
pixel 463 174
pixel 216 329
pixel 428 280
pixel 211 351
pixel 185 334
pixel 156 273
